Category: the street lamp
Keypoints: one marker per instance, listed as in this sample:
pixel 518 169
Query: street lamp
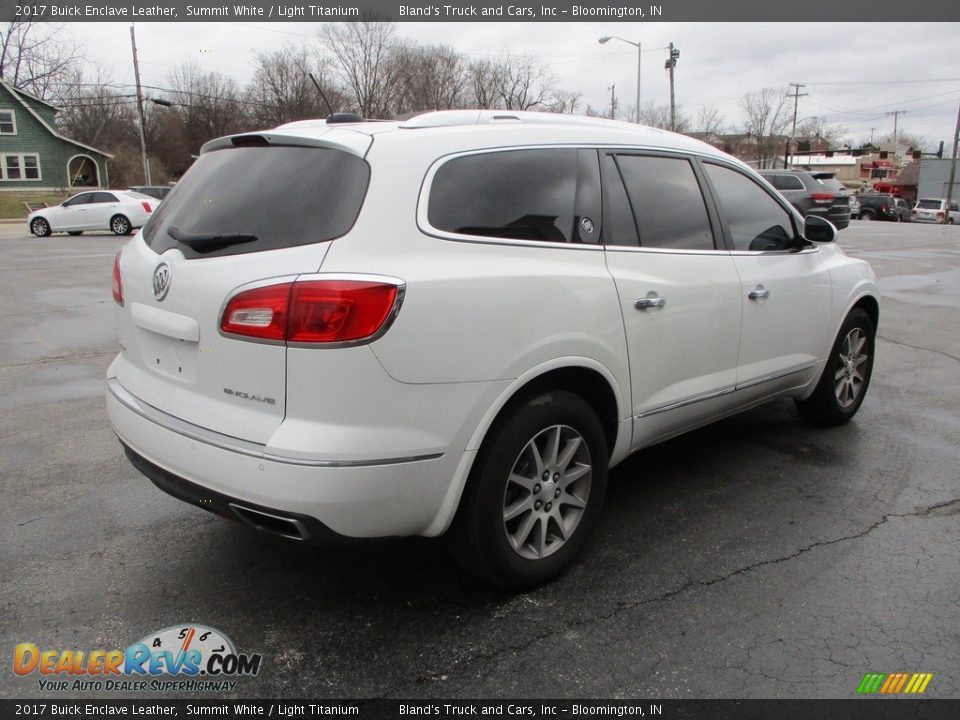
pixel 605 39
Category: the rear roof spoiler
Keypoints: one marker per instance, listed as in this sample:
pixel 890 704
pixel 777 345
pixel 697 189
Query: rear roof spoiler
pixel 342 139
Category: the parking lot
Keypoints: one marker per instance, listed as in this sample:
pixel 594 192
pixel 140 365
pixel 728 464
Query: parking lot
pixel 758 557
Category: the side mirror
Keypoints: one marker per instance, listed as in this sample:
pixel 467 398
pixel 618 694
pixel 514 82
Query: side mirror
pixel 818 230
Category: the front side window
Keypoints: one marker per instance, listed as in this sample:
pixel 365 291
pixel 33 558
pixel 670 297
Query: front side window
pixel 667 202
pixel 516 194
pixel 756 221
pixel 8 125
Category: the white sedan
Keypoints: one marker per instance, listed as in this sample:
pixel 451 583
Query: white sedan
pixel 119 211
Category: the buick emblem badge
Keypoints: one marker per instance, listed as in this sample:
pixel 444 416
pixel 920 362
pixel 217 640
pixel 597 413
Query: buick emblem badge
pixel 161 281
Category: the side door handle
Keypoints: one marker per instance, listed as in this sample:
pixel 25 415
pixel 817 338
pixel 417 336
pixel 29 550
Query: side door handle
pixel 759 293
pixel 652 300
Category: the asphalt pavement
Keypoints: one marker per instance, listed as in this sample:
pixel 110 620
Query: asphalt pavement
pixel 757 557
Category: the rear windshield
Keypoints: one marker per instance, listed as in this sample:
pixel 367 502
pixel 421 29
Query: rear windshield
pixel 831 183
pixel 283 196
pixel 929 204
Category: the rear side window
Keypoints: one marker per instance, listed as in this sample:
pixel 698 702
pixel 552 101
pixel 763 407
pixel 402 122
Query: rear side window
pixel 517 194
pixel 283 196
pixel 785 182
pixel 667 202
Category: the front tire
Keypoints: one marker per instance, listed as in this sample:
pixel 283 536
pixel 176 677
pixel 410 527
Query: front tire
pixel 535 492
pixel 40 227
pixel 120 225
pixel 846 376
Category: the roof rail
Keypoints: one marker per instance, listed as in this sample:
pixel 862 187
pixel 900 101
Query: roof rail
pixel 449 118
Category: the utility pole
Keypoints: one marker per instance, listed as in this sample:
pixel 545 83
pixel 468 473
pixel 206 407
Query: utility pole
pixel 143 136
pixel 613 101
pixel 871 136
pixel 896 114
pixel 953 171
pixel 670 65
pixel 793 132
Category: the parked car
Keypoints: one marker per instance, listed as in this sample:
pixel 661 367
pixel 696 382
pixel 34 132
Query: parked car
pixel 156 191
pixel 467 327
pixel 813 194
pixel 931 210
pixel 119 211
pixel 883 206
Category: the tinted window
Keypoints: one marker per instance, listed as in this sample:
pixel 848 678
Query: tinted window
pixel 667 202
pixel 619 227
pixel 520 194
pixel 102 197
pixel 756 220
pixel 785 182
pixel 79 200
pixel 285 196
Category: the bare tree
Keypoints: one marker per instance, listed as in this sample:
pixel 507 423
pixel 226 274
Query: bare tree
pixel 817 127
pixel 658 116
pixel 522 83
pixel 564 101
pixel 433 77
pixel 766 118
pixel 37 57
pixel 281 90
pixel 363 61
pixel 482 79
pixel 709 121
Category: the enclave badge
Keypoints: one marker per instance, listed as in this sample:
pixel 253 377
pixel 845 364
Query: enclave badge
pixel 161 281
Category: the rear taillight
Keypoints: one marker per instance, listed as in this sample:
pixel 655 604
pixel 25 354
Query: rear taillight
pixel 311 311
pixel 939 213
pixel 147 206
pixel 822 197
pixel 117 280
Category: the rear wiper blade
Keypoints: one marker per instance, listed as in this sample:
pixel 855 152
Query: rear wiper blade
pixel 201 240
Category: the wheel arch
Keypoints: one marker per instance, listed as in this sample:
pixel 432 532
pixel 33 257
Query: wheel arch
pixel 583 376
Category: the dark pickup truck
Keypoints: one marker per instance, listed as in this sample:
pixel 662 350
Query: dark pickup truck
pixel 880 206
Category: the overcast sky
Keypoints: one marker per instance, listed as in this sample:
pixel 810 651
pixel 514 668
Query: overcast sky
pixel 854 73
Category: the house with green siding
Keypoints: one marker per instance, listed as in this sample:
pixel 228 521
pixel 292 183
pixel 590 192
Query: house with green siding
pixel 35 157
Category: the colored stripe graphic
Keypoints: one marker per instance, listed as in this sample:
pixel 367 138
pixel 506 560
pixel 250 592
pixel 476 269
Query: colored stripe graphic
pixel 894 683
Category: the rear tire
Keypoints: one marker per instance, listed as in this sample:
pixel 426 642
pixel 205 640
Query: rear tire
pixel 40 227
pixel 846 375
pixel 866 215
pixel 120 225
pixel 535 492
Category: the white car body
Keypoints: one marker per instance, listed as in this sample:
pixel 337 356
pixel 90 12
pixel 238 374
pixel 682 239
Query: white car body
pixel 930 210
pixel 378 438
pixel 96 210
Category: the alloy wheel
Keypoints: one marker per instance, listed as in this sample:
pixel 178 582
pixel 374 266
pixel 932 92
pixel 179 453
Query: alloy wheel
pixel 848 379
pixel 547 492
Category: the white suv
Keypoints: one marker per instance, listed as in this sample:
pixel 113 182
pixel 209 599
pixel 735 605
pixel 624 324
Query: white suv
pixel 456 324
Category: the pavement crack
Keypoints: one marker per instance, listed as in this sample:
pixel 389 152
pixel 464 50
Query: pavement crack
pixel 949 506
pixel 919 347
pixel 60 358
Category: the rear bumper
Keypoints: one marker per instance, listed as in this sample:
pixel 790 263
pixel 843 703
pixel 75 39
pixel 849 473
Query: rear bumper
pixel 330 501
